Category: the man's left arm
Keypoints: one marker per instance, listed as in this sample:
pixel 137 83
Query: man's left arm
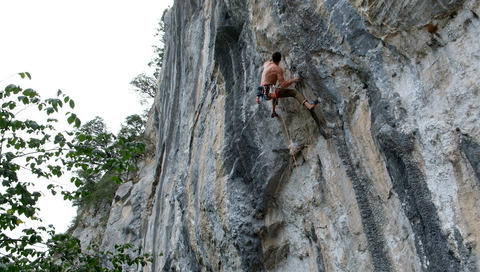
pixel 282 80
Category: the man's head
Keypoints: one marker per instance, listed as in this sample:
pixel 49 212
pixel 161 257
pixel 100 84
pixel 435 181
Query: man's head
pixel 276 57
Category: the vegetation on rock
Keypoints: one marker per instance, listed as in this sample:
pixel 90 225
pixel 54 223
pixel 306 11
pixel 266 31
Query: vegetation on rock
pixel 99 159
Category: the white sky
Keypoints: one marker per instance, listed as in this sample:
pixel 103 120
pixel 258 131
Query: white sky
pixel 89 49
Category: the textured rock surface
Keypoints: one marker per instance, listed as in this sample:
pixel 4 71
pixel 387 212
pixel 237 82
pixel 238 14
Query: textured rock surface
pixel 385 174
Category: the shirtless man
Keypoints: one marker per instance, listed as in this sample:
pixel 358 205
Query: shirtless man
pixel 273 73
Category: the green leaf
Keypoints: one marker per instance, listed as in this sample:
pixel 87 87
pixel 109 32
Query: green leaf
pixel 23 74
pixel 78 123
pixel 116 179
pixel 24 99
pixel 72 104
pixel 78 182
pixel 7 104
pixel 81 137
pixel 30 93
pixel 50 110
pixel 12 105
pixel 12 89
pixel 71 119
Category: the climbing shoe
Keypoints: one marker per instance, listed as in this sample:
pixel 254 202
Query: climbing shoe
pixel 274 115
pixel 314 104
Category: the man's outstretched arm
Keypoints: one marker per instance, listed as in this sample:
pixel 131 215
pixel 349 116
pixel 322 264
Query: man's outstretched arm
pixel 282 80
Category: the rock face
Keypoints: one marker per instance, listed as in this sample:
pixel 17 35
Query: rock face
pixel 384 175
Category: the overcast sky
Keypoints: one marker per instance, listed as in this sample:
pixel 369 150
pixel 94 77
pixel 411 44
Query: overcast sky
pixel 89 49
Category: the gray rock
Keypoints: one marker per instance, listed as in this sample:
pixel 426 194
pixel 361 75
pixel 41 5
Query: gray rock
pixel 385 173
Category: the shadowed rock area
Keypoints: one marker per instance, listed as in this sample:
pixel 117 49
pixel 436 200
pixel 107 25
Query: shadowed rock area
pixel 383 175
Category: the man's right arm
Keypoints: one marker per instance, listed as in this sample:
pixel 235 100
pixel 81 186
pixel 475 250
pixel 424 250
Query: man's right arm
pixel 259 95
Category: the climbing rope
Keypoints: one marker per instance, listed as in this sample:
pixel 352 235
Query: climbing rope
pixel 290 143
pixel 300 178
pixel 309 208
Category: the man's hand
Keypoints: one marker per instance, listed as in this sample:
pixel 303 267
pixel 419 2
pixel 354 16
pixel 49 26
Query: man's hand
pixel 291 81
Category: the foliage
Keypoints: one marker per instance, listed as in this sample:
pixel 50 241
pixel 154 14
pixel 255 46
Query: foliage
pixel 144 85
pixel 159 49
pixel 97 151
pixel 66 254
pixel 34 145
pixel 133 128
pixel 96 192
pixel 29 144
pixel 96 189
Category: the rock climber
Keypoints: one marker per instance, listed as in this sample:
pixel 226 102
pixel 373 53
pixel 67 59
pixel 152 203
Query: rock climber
pixel 267 91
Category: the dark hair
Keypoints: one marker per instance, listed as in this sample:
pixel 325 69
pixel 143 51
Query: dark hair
pixel 276 57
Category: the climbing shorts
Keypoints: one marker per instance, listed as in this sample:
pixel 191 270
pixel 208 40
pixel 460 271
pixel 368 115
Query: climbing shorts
pixel 281 92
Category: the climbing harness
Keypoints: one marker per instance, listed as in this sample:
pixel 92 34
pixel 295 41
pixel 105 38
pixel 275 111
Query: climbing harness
pixel 267 92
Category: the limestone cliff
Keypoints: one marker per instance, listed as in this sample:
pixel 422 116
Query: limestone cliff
pixel 384 175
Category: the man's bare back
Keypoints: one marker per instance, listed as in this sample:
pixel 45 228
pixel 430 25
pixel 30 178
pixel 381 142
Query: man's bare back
pixel 273 73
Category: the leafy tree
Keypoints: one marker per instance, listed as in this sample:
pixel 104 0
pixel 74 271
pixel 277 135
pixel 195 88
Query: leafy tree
pixel 96 151
pixel 104 154
pixel 93 137
pixel 66 254
pixel 98 130
pixel 159 49
pixel 144 84
pixel 33 144
pixel 133 128
pixel 131 141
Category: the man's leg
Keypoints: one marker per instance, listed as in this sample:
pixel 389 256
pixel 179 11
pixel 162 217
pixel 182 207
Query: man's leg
pixel 297 95
pixel 274 104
